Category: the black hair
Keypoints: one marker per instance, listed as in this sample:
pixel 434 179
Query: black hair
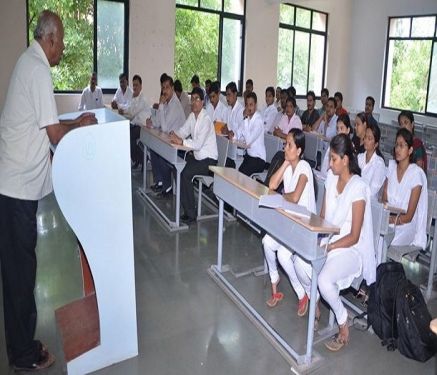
pixel 249 82
pixel 136 77
pixel 339 95
pixel 342 145
pixel 198 91
pixel 312 94
pixel 292 101
pixel 163 78
pixel 408 138
pixel 252 95
pixel 408 114
pixel 299 139
pixel 232 86
pixel 208 82
pixel 374 128
pixel 123 75
pixel 178 86
pixel 195 79
pixel 167 78
pixel 345 119
pixel 325 91
pixel 271 90
pixel 215 87
pixel 284 91
pixel 291 91
pixel 332 99
pixel 372 99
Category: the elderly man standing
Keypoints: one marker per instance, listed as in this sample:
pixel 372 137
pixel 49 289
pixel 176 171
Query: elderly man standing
pixel 28 124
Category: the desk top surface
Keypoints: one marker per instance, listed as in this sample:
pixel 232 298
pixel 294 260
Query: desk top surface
pixel 165 137
pixel 315 223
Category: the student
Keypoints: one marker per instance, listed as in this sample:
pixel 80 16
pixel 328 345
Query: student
pixel 361 122
pixel 339 110
pixel 406 188
pixel 169 117
pixel 138 112
pixel 270 112
pixel 251 132
pixel 249 88
pixel 289 120
pixel 124 93
pixel 297 178
pixel 406 120
pixel 324 95
pixel 350 253
pixel 195 82
pixel 343 127
pixel 371 162
pixel 92 97
pixel 327 123
pixel 183 97
pixel 215 109
pixel 369 106
pixel 291 92
pixel 278 98
pixel 202 140
pixel 235 117
pixel 310 115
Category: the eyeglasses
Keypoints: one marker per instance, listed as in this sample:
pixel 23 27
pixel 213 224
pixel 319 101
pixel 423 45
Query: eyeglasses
pixel 401 145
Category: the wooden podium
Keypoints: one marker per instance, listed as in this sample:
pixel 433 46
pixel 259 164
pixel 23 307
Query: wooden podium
pixel 92 184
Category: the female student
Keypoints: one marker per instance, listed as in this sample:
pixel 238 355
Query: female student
pixel 251 132
pixel 406 120
pixel 343 127
pixel 297 177
pixel 371 162
pixel 289 119
pixel 361 122
pixel 406 188
pixel 346 205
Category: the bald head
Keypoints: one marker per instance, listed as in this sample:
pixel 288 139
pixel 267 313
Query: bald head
pixel 49 33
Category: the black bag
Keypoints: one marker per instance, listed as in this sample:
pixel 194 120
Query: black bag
pixel 381 304
pixel 415 338
pixel 277 161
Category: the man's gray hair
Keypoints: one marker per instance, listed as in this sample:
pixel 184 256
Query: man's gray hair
pixel 46 25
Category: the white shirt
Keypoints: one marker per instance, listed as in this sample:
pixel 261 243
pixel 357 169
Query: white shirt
pixel 251 132
pixel 91 100
pixel 329 130
pixel 373 172
pixel 138 111
pixel 203 139
pixel 291 178
pixel 398 195
pixel 219 113
pixel 223 99
pixel 170 116
pixel 338 211
pixel 235 116
pixel 25 167
pixel 123 99
pixel 269 116
pixel 185 102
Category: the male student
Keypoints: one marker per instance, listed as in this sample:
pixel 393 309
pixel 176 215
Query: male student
pixel 124 93
pixel 183 97
pixel 369 106
pixel 169 117
pixel 339 109
pixel 270 112
pixel 195 82
pixel 138 112
pixel 327 123
pixel 249 88
pixel 324 95
pixel 197 133
pixel 92 96
pixel 215 109
pixel 311 114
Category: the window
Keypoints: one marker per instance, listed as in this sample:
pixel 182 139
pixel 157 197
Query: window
pixel 410 74
pixel 302 48
pixel 96 39
pixel 209 41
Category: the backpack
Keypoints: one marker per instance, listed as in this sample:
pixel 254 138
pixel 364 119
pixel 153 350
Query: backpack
pixel 415 338
pixel 275 164
pixel 381 304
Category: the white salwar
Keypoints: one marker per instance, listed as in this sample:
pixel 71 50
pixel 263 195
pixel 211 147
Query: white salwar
pixel 343 265
pixel 271 246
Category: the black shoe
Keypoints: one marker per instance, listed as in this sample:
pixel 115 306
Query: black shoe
pixel 165 193
pixel 188 219
pixel 156 187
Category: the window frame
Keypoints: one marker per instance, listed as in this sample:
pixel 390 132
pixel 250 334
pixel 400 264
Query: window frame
pixel 309 31
pixel 126 44
pixel 389 38
pixel 222 14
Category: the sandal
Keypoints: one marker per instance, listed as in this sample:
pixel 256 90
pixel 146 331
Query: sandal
pixel 336 343
pixel 302 307
pixel 276 297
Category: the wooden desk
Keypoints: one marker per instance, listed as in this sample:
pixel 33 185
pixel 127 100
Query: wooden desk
pixel 299 234
pixel 159 142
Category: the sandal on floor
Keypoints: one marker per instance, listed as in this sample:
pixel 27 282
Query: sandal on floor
pixel 302 307
pixel 336 343
pixel 276 297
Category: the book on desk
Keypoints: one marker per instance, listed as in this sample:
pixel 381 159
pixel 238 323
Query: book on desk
pixel 278 201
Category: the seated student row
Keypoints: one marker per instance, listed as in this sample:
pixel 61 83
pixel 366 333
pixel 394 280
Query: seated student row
pixel 347 205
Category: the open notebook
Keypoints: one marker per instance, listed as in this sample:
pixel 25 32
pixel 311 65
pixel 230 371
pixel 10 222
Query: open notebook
pixel 278 201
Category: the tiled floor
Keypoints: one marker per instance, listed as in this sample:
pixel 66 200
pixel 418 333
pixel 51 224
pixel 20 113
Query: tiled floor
pixel 186 324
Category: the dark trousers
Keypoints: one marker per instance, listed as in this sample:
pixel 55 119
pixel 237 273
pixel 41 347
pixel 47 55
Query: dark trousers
pixel 136 153
pixel 251 165
pixel 161 170
pixel 192 168
pixel 18 267
pixel 230 163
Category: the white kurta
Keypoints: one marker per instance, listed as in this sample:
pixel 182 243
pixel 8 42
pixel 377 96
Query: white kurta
pixel 398 195
pixel 269 117
pixel 373 172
